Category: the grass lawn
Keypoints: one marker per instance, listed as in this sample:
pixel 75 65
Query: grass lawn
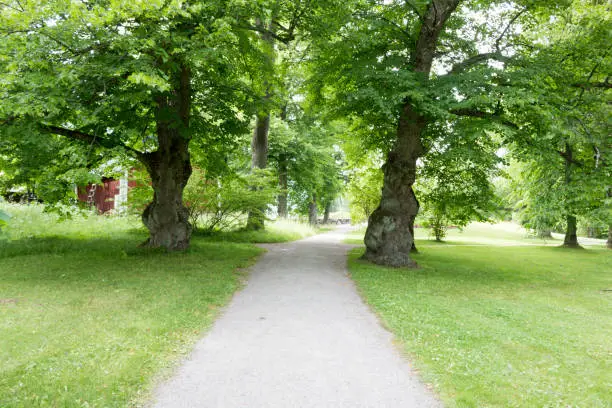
pixel 501 326
pixel 87 319
pixel 477 233
pixel 275 232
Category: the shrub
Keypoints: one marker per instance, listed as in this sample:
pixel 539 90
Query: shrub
pixel 219 203
pixel 222 203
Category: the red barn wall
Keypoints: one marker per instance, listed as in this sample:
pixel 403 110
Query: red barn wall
pixel 104 199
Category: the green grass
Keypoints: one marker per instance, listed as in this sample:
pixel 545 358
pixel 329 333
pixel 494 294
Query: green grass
pixel 501 326
pixel 275 232
pixel 501 234
pixel 88 319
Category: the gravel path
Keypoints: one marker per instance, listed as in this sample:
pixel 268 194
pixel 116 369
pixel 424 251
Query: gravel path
pixel 298 335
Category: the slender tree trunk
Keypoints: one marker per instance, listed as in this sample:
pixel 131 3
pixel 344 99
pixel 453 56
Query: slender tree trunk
pixel 259 143
pixel 413 248
pixel 312 210
pixel 326 213
pixel 259 160
pixel 571 238
pixel 282 182
pixel 389 237
pixel 170 167
pixel 609 242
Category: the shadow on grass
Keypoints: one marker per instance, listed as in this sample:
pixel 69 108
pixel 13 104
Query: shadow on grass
pixel 127 241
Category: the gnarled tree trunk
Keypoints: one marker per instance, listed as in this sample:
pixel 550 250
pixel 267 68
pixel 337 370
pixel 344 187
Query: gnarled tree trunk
pixel 170 167
pixel 166 217
pixel 389 237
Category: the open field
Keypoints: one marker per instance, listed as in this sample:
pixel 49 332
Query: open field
pixel 89 319
pixel 501 325
pixel 477 233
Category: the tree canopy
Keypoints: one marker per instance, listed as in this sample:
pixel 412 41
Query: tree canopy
pixel 433 88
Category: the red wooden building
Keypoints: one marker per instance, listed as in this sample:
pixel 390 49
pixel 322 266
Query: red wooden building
pixel 107 196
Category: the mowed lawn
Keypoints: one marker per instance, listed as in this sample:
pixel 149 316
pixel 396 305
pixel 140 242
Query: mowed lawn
pixel 501 326
pixel 87 319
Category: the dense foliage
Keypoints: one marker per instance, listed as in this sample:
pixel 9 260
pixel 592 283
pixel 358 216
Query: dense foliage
pixel 428 90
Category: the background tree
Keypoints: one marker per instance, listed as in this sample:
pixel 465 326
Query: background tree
pixel 455 177
pixel 284 27
pixel 311 166
pixel 560 100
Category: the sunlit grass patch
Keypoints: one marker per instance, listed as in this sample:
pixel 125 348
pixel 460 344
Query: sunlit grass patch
pixel 501 326
pixel 275 232
pixel 500 234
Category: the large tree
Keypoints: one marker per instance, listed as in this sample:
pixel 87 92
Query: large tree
pixel 403 69
pixel 563 106
pixel 143 76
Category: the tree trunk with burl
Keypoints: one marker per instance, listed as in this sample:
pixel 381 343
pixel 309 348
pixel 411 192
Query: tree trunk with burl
pixel 389 237
pixel 166 218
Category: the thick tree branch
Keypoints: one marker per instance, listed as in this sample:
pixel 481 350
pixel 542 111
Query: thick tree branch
pixel 484 57
pixel 503 34
pixel 475 60
pixel 391 23
pixel 285 39
pixel 296 18
pixel 590 85
pixel 414 8
pixel 475 113
pixel 86 137
pixel 569 158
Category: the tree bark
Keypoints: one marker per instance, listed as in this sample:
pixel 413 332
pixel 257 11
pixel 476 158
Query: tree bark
pixel 609 241
pixel 413 248
pixel 571 238
pixel 259 160
pixel 312 210
pixel 326 213
pixel 389 237
pixel 282 182
pixel 170 167
pixel 259 143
